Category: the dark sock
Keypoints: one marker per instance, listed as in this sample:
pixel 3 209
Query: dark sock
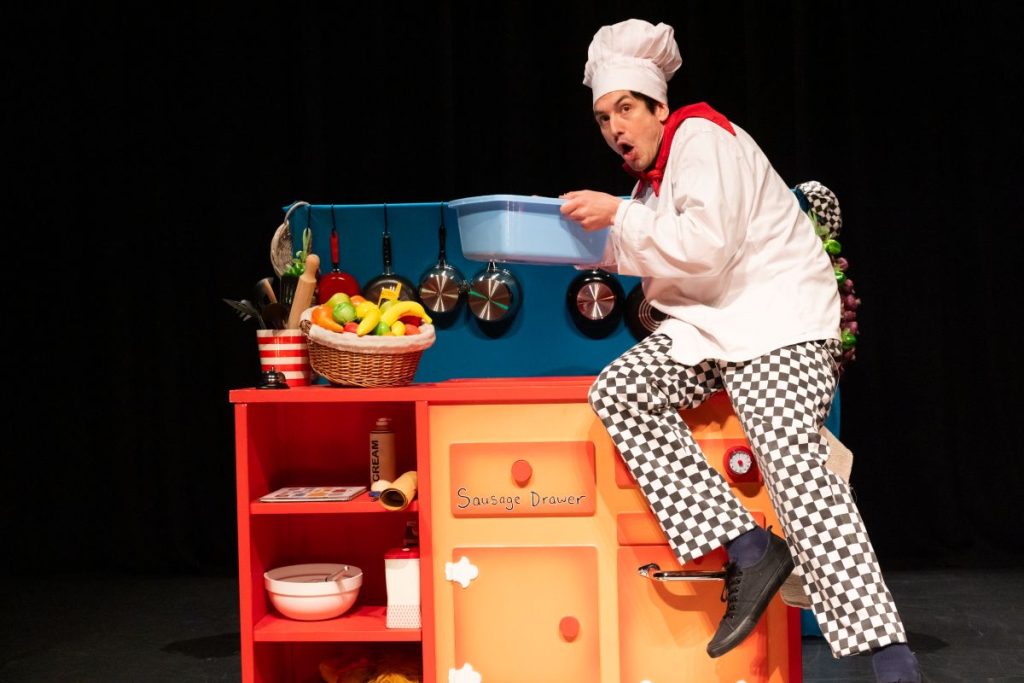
pixel 749 547
pixel 895 663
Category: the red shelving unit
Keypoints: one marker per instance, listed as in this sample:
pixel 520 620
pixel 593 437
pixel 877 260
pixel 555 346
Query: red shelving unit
pixel 305 437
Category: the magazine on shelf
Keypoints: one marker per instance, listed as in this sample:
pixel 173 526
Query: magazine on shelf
pixel 317 494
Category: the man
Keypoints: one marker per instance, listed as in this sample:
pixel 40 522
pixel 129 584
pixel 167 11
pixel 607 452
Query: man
pixel 752 309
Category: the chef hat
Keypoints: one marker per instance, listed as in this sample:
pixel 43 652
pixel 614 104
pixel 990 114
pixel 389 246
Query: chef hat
pixel 632 55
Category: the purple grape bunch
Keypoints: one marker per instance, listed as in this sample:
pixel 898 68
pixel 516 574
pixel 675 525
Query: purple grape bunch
pixel 849 302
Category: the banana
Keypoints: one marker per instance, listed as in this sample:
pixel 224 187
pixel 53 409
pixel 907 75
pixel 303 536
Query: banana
pixel 369 322
pixel 405 308
pixel 364 307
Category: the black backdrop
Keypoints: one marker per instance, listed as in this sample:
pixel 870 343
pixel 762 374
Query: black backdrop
pixel 149 150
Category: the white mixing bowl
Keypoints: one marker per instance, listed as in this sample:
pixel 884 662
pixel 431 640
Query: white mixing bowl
pixel 313 591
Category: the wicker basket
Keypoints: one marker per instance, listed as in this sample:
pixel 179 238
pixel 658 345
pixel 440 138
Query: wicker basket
pixel 346 360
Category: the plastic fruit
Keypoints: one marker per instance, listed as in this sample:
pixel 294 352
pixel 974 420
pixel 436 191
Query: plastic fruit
pixel 343 312
pixel 398 328
pixel 404 308
pixel 369 322
pixel 411 329
pixel 340 297
pixel 364 307
pixel 320 316
pixel 382 329
pixel 352 327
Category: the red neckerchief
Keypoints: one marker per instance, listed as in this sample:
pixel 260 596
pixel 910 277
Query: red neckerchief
pixel 654 175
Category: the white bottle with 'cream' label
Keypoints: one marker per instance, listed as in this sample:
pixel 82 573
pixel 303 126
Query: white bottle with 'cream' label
pixel 382 452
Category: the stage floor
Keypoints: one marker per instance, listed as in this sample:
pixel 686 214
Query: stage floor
pixel 966 626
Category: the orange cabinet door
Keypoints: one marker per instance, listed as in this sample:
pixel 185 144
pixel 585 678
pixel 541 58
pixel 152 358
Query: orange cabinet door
pixel 663 624
pixel 525 614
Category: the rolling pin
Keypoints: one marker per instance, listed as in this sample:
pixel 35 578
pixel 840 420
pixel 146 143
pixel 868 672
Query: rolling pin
pixel 303 291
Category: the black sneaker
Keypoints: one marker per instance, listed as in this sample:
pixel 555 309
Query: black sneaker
pixel 747 593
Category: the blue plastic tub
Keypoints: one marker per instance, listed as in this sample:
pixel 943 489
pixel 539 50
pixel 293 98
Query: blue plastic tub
pixel 524 229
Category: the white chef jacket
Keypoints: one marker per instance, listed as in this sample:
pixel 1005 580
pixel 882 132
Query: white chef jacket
pixel 725 251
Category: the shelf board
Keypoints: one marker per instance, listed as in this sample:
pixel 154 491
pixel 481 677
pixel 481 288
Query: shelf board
pixel 364 624
pixel 473 390
pixel 361 504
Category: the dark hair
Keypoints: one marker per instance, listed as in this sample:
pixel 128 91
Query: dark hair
pixel 651 103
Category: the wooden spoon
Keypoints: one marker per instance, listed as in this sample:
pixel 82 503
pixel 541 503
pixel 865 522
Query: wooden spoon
pixel 275 314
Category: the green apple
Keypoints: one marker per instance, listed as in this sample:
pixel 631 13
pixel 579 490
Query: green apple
pixel 344 312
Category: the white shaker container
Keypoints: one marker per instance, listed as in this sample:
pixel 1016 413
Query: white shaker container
pixel 402 576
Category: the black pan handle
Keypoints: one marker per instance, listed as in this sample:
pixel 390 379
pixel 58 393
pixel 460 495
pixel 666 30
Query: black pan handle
pixel 442 238
pixel 387 244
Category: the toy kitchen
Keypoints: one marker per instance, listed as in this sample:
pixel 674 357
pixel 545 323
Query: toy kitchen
pixel 499 537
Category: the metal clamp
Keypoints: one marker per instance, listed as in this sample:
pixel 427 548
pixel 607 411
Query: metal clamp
pixel 652 572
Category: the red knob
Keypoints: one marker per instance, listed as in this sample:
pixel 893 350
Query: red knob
pixel 522 472
pixel 569 627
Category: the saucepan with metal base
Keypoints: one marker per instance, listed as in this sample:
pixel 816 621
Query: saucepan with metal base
pixel 596 302
pixel 443 288
pixel 494 298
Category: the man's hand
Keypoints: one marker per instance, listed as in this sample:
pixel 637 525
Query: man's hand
pixel 592 210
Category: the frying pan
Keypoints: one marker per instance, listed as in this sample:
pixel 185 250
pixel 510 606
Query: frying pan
pixel 336 281
pixel 641 317
pixel 596 302
pixel 442 287
pixel 494 295
pixel 388 279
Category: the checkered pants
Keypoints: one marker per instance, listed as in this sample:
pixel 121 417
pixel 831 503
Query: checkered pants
pixel 781 399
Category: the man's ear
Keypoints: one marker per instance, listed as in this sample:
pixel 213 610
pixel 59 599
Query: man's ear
pixel 662 112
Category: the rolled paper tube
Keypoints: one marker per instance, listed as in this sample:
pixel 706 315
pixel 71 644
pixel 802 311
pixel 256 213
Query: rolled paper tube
pixel 401 492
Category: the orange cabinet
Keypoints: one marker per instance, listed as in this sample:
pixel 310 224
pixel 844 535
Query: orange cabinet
pixel 532 534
